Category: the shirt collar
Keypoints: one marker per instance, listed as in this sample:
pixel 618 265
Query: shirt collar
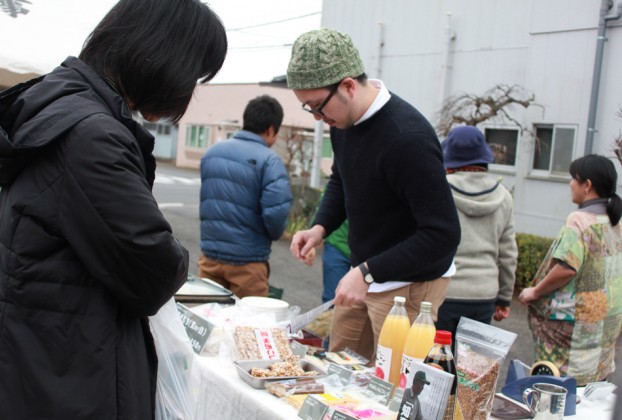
pixel 596 206
pixel 381 99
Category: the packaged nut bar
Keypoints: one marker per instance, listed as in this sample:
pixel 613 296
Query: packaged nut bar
pixel 294 386
pixel 480 352
pixel 261 343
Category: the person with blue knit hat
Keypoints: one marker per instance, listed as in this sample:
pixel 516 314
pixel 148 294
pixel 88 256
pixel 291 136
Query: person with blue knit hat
pixel 486 259
pixel 387 180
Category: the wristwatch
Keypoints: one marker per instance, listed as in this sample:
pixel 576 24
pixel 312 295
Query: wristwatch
pixel 367 277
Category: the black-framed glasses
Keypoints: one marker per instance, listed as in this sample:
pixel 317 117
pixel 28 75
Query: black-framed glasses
pixel 318 110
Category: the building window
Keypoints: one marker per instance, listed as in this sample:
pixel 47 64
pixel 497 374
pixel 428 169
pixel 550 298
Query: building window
pixel 503 143
pixel 149 125
pixel 164 129
pixel 553 148
pixel 197 136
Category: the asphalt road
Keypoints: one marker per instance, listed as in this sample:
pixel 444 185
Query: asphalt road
pixel 177 192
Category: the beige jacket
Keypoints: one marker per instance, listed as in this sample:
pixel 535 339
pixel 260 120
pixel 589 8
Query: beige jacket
pixel 487 255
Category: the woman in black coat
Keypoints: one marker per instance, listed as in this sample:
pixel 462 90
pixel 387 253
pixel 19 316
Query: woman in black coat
pixel 85 253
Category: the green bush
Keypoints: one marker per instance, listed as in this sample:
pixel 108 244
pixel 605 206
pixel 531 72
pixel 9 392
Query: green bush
pixel 303 208
pixel 531 252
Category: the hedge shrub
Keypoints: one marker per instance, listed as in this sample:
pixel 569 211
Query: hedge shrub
pixel 531 252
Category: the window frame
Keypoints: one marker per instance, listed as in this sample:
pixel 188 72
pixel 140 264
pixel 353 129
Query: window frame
pixel 189 137
pixel 498 167
pixel 550 173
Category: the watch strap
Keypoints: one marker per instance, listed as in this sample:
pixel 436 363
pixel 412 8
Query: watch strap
pixel 366 274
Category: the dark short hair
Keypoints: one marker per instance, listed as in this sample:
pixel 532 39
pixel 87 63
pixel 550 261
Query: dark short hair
pixel 604 177
pixel 262 113
pixel 155 51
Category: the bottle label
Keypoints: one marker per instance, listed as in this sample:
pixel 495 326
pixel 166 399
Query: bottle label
pixel 383 362
pixel 407 372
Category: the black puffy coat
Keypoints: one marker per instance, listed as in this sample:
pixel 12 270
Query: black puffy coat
pixel 85 253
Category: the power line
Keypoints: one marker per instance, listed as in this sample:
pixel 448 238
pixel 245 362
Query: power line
pixel 273 22
pixel 260 47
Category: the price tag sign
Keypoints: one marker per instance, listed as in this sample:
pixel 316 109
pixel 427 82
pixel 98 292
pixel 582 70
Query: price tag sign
pixel 338 415
pixel 382 389
pixel 396 401
pixel 197 328
pixel 312 409
pixel 299 349
pixel 343 373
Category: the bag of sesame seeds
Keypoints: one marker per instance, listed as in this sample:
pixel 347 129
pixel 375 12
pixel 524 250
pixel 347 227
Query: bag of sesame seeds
pixel 480 352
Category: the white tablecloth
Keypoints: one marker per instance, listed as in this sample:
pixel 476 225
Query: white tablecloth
pixel 588 410
pixel 223 395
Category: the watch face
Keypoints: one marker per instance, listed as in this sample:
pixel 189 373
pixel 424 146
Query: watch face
pixel 368 279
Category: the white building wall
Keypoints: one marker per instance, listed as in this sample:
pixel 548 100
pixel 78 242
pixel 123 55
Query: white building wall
pixel 547 47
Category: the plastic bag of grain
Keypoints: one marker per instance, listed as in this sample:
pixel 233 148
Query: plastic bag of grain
pixel 480 352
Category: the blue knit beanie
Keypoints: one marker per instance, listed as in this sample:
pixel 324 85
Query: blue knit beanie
pixel 464 146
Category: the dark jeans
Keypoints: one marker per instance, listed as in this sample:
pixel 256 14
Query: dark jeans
pixel 335 265
pixel 450 312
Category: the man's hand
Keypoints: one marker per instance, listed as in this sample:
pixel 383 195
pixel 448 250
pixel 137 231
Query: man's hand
pixel 501 312
pixel 351 288
pixel 310 257
pixel 304 242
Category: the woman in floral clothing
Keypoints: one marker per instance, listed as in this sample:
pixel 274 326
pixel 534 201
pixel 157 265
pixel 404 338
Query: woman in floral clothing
pixel 575 311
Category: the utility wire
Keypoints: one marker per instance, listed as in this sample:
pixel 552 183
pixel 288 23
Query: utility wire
pixel 261 47
pixel 273 22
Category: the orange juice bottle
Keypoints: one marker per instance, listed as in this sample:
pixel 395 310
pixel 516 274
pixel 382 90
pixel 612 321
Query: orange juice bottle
pixel 391 342
pixel 419 341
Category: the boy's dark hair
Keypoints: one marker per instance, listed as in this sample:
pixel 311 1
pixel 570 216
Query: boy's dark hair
pixel 262 113
pixel 155 51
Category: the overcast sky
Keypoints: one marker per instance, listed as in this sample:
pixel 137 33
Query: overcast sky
pixel 260 34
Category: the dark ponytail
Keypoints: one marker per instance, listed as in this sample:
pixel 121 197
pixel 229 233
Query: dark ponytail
pixel 614 209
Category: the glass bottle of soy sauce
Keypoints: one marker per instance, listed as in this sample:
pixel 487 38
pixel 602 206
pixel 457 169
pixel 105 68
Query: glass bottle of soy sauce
pixel 442 358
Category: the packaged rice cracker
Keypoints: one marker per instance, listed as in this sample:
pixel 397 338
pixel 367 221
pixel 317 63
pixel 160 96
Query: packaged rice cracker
pixel 480 352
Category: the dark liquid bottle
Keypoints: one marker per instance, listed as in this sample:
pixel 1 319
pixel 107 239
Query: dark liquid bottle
pixel 442 358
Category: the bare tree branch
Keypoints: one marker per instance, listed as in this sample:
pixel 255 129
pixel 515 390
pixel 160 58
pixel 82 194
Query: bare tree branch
pixel 14 8
pixel 494 104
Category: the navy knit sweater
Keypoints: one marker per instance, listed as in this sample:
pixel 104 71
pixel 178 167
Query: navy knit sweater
pixel 388 178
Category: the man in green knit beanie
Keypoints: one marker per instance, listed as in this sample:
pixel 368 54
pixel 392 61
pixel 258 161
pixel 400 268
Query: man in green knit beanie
pixel 387 179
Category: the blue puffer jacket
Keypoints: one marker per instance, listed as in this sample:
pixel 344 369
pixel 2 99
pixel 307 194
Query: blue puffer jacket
pixel 245 199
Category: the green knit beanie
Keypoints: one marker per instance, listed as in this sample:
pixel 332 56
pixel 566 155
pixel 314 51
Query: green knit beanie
pixel 322 58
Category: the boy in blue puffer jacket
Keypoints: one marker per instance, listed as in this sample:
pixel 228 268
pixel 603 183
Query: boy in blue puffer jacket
pixel 245 201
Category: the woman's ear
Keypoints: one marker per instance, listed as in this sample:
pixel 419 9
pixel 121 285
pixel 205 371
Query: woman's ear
pixel 587 185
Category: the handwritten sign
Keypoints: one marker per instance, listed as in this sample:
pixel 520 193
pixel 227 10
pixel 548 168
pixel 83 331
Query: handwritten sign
pixel 267 345
pixel 338 415
pixel 197 328
pixel 396 401
pixel 382 389
pixel 312 409
pixel 344 374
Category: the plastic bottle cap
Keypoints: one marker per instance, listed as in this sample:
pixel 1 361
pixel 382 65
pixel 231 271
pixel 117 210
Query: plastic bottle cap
pixel 400 299
pixel 442 337
pixel 426 307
